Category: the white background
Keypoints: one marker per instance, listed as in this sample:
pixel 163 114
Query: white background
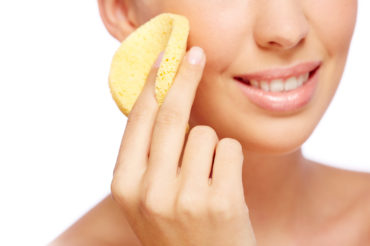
pixel 60 129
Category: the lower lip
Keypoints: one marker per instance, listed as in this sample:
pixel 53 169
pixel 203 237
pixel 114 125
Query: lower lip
pixel 282 101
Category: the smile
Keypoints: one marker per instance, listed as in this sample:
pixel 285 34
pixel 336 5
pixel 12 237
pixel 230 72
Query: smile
pixel 281 90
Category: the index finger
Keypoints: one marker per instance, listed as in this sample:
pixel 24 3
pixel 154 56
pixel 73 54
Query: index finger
pixel 133 153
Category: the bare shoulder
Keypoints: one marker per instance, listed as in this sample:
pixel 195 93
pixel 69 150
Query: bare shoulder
pixel 104 224
pixel 350 191
pixel 348 180
pixel 353 185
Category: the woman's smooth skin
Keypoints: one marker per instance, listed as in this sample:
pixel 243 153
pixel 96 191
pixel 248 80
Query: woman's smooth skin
pixel 291 200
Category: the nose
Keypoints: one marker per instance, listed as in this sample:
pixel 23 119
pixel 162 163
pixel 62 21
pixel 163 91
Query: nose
pixel 280 24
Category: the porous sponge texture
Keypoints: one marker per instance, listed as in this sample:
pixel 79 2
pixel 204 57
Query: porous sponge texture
pixel 134 58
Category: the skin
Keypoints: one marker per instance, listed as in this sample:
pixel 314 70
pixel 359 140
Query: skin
pixel 286 198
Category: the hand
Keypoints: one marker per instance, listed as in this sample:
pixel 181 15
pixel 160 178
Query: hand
pixel 169 204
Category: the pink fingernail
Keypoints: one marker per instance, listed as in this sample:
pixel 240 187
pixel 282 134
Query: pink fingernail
pixel 195 55
pixel 158 61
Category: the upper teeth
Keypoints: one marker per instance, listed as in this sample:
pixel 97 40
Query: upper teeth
pixel 281 84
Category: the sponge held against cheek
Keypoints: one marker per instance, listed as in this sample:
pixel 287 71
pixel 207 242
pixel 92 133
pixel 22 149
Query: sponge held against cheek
pixel 136 55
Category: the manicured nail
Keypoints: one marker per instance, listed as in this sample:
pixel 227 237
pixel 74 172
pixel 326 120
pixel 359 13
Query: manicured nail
pixel 195 55
pixel 158 61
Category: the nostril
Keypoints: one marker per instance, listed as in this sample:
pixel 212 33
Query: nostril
pixel 272 43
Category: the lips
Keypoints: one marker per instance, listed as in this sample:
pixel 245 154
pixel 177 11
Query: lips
pixel 282 101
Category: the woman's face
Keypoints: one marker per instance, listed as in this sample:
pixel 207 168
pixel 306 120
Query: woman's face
pixel 247 36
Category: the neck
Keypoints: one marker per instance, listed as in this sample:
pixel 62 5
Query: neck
pixel 272 184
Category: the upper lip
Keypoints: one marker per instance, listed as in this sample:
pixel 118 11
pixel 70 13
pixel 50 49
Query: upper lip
pixel 281 73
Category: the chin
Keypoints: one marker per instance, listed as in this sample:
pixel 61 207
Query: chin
pixel 285 143
pixel 273 149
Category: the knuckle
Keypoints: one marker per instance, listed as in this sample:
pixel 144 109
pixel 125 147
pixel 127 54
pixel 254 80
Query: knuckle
pixel 188 207
pixel 169 116
pixel 136 115
pixel 230 143
pixel 188 71
pixel 150 205
pixel 204 132
pixel 119 192
pixel 221 208
pixel 116 189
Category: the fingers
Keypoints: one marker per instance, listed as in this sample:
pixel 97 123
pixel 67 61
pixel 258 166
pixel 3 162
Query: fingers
pixel 198 158
pixel 227 167
pixel 135 143
pixel 172 118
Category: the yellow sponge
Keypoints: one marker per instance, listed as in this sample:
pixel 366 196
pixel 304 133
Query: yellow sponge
pixel 134 58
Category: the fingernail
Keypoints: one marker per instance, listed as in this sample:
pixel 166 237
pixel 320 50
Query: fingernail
pixel 195 55
pixel 158 61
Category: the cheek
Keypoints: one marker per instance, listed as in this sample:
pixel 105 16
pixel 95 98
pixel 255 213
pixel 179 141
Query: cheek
pixel 333 23
pixel 217 26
